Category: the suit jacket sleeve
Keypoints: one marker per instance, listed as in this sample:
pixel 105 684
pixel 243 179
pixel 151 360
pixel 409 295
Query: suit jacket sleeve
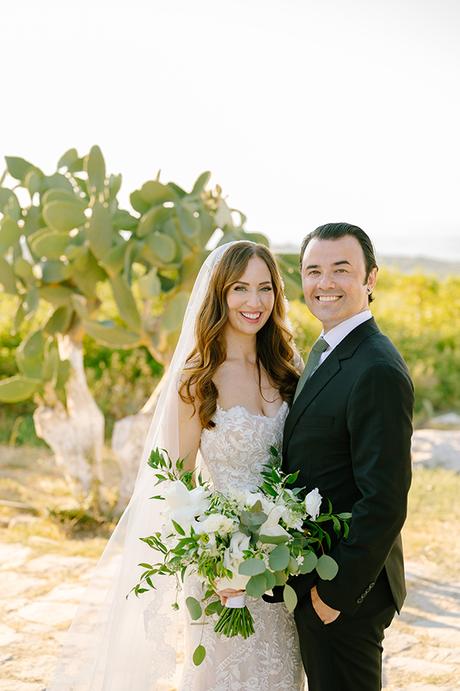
pixel 379 420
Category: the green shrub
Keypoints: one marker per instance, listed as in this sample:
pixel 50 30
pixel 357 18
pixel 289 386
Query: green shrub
pixel 419 313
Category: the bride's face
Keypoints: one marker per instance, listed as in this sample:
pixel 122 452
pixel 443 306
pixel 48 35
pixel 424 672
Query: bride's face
pixel 250 300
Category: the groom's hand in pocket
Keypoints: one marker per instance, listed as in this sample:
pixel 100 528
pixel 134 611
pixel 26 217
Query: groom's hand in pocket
pixel 325 613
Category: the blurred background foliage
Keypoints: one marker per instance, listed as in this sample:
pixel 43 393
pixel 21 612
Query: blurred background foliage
pixel 418 312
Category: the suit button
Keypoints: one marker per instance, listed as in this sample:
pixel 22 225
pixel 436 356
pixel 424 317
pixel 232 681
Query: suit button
pixel 360 599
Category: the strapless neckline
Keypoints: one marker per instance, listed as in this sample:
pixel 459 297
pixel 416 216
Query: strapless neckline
pixel 248 412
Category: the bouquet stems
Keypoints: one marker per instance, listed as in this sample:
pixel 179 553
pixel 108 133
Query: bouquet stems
pixel 234 622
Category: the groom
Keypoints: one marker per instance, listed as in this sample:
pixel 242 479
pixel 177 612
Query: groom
pixel 348 433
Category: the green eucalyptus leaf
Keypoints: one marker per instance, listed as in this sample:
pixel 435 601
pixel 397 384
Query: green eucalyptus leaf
pixel 194 608
pixel 309 563
pixel 289 597
pixel 279 558
pixel 199 655
pixel 271 579
pixel 214 607
pixel 273 539
pixel 327 567
pixel 252 567
pixel 280 577
pixel 257 585
pixel 17 388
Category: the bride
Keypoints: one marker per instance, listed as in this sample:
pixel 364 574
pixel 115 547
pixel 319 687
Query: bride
pixel 222 406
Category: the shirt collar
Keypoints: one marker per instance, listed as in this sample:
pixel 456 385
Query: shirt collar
pixel 338 333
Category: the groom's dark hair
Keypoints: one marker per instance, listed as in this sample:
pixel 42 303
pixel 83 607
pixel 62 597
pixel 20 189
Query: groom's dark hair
pixel 333 231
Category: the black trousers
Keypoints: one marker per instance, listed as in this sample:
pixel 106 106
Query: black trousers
pixel 347 654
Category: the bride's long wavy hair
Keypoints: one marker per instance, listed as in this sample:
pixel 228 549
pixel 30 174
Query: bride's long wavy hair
pixel 274 342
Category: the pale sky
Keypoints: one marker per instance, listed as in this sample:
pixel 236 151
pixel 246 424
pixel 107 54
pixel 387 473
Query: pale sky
pixel 305 111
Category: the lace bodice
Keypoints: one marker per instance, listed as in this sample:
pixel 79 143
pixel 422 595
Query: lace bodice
pixel 234 453
pixel 237 448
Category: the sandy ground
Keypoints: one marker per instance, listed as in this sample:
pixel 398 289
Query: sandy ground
pixel 40 586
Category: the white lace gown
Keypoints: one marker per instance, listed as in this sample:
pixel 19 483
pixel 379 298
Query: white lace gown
pixel 234 453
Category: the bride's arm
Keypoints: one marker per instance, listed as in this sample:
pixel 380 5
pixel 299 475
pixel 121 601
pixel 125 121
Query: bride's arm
pixel 189 433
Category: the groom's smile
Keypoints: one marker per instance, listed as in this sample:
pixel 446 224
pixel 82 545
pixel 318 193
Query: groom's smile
pixel 328 298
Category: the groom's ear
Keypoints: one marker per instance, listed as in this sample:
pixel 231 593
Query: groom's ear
pixel 372 279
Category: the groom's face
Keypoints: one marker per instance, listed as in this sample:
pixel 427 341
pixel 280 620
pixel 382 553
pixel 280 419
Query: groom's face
pixel 334 279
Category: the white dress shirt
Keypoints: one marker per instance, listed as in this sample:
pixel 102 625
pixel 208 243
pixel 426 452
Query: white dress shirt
pixel 338 333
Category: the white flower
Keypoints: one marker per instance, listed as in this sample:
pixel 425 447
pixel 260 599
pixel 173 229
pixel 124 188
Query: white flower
pixel 233 556
pixel 216 523
pixel 313 503
pixel 183 505
pixel 271 527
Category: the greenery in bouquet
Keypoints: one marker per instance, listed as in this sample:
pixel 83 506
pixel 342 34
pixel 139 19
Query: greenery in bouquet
pixel 243 540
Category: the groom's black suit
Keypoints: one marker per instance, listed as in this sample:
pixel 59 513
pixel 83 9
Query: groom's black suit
pixel 348 433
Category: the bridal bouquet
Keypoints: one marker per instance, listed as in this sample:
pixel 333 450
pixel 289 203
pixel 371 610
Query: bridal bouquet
pixel 243 540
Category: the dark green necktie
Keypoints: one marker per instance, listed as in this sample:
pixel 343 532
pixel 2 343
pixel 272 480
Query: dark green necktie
pixel 312 363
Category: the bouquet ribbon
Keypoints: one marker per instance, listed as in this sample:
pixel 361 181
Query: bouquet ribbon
pixel 236 601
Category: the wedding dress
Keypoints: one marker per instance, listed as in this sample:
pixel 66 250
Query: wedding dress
pixel 234 453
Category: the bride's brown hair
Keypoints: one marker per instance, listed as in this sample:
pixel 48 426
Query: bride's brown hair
pixel 274 349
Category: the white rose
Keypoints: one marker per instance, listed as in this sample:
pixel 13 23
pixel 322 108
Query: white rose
pixel 216 523
pixel 313 503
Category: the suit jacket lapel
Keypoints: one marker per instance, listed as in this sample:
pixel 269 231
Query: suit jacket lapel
pixel 325 372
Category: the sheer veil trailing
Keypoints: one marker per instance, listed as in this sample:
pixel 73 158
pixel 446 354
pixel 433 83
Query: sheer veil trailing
pixel 119 644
